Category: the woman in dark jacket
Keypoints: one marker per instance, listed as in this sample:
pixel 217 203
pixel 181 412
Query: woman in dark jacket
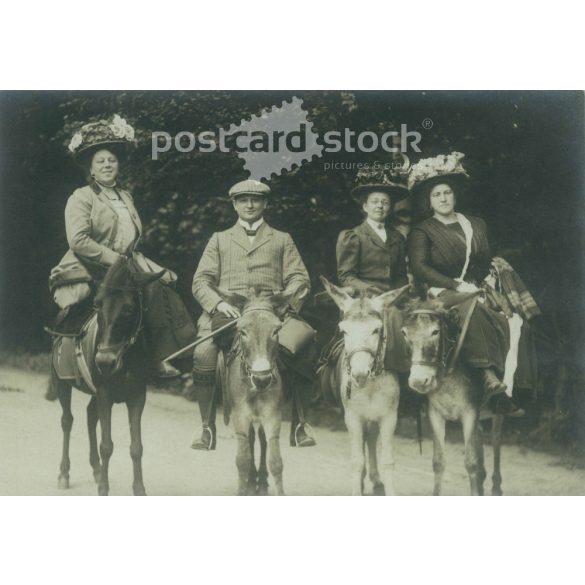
pixel 450 253
pixel 103 225
pixel 371 258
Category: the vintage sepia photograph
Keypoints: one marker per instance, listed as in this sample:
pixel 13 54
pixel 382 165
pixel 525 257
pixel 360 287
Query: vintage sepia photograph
pixel 303 292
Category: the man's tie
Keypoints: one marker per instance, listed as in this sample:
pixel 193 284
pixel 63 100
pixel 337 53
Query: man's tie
pixel 251 232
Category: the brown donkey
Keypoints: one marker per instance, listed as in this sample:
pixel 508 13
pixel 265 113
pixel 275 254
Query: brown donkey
pixel 453 393
pixel 113 360
pixel 252 387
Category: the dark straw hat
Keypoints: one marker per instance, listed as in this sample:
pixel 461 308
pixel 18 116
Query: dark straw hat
pixel 371 179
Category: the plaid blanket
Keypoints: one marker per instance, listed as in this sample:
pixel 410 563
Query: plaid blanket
pixel 510 292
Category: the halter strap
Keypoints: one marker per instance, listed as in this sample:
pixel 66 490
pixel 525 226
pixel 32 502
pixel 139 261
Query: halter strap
pixel 446 345
pixel 378 357
pixel 125 344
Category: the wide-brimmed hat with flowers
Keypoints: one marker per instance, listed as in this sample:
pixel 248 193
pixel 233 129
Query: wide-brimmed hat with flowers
pixel 370 179
pixel 116 133
pixel 428 172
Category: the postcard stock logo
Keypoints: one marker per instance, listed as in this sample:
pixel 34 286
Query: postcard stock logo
pixel 280 138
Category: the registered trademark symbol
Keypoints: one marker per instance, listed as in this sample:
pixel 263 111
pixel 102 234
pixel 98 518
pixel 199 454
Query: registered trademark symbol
pixel 427 123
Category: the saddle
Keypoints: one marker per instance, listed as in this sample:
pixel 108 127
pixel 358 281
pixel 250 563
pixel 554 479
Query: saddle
pixel 70 353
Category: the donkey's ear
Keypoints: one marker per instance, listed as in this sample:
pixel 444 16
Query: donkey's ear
pixel 232 298
pixel 281 301
pixel 143 279
pixel 387 299
pixel 340 297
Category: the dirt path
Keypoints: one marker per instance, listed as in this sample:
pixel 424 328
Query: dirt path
pixel 30 447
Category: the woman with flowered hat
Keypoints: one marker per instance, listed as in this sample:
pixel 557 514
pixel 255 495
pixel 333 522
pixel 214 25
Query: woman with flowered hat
pixel 450 253
pixel 371 257
pixel 102 225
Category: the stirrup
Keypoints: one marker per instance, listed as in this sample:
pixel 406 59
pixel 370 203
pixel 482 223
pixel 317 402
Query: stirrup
pixel 199 439
pixel 308 431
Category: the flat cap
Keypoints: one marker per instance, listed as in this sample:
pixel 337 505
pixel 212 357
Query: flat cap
pixel 249 187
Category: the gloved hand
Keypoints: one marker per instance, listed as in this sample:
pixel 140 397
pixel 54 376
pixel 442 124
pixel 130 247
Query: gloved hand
pixel 466 287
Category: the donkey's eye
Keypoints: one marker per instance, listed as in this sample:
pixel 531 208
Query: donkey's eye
pixel 434 332
pixel 243 333
pixel 376 331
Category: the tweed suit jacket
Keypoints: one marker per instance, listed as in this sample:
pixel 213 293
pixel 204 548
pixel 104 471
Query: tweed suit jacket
pixel 231 262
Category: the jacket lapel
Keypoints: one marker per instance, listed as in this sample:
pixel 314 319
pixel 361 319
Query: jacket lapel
pixel 374 237
pixel 262 237
pixel 130 205
pixel 239 236
pixel 101 196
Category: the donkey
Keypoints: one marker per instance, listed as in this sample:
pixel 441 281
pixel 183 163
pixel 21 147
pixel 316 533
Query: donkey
pixel 369 393
pixel 252 387
pixel 453 393
pixel 113 361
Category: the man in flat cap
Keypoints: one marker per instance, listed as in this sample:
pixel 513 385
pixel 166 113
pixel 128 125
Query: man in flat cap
pixel 249 254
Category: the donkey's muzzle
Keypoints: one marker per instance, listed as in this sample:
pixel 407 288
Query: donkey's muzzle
pixel 261 380
pixel 422 379
pixel 106 362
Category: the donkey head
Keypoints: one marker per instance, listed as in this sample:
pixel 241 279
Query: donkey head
pixel 362 326
pixel 429 330
pixel 258 327
pixel 118 305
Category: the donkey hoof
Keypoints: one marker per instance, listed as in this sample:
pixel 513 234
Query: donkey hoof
pixel 63 482
pixel 103 490
pixel 379 489
pixel 497 492
pixel 262 490
pixel 140 491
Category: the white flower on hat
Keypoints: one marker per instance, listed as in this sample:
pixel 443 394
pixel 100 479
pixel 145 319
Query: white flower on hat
pixel 121 129
pixel 75 141
pixel 428 168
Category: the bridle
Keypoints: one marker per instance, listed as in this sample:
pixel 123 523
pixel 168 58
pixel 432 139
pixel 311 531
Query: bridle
pixel 377 355
pixel 122 346
pixel 245 366
pixel 446 344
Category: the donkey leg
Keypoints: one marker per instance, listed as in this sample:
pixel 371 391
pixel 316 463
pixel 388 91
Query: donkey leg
pixel 372 435
pixel 106 444
pixel 275 465
pixel 356 438
pixel 92 420
pixel 253 472
pixel 387 428
pixel 135 405
pixel 263 469
pixel 497 423
pixel 64 394
pixel 469 421
pixel 243 455
pixel 438 427
pixel 481 472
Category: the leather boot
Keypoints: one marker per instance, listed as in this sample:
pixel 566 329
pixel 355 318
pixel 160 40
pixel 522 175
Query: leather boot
pixel 208 439
pixel 165 370
pixel 495 395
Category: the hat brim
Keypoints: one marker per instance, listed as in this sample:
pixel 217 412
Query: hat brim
pixel 458 179
pixel 82 153
pixel 395 192
pixel 252 193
